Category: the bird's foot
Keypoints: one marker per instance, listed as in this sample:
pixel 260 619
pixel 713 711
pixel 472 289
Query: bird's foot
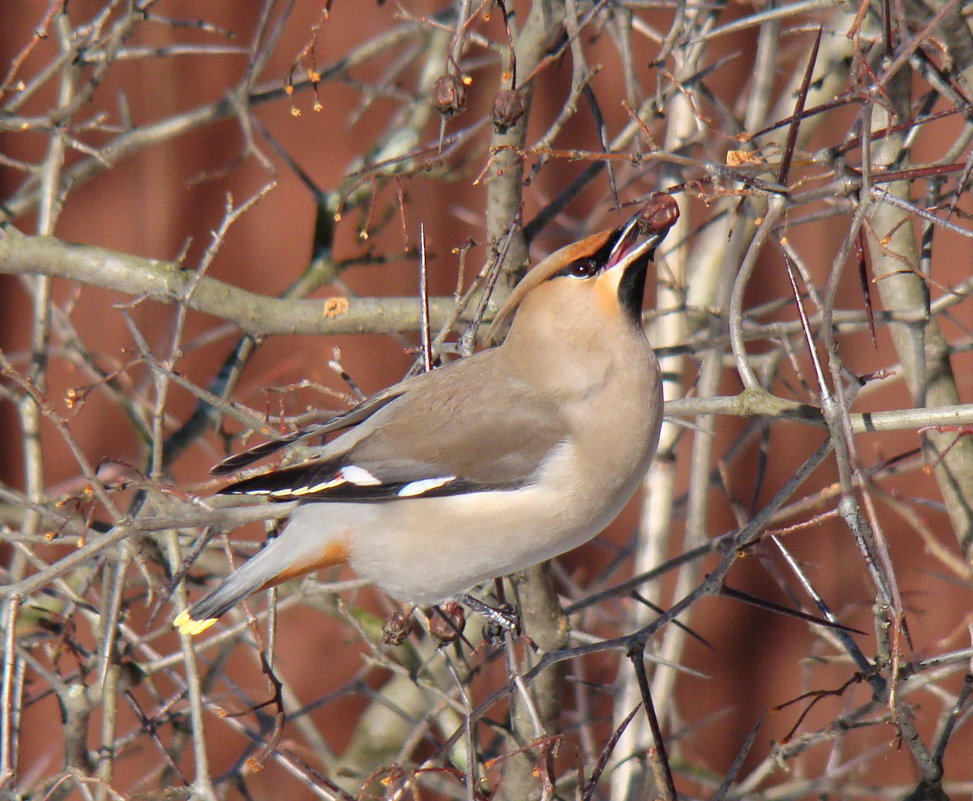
pixel 500 619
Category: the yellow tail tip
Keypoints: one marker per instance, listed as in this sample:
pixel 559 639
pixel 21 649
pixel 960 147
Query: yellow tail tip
pixel 186 625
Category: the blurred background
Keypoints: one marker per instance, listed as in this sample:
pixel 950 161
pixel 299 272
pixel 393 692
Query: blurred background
pixel 167 169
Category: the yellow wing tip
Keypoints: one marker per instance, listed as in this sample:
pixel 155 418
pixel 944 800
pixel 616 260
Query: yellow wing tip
pixel 186 625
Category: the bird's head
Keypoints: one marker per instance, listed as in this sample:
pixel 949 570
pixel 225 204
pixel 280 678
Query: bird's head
pixel 594 284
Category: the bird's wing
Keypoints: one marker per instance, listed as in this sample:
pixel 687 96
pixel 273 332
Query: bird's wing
pixel 352 417
pixel 461 433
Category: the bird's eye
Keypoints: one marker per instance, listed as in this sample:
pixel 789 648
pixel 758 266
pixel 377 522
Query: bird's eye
pixel 582 268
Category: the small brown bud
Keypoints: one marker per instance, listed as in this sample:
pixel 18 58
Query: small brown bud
pixel 508 107
pixel 397 628
pixel 448 95
pixel 447 622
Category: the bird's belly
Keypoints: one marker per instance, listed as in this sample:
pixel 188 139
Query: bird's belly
pixel 428 550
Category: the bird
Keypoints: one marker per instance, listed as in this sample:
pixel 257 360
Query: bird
pixel 491 463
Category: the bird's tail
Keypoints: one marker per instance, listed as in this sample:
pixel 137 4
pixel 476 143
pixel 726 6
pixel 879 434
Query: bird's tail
pixel 295 552
pixel 260 571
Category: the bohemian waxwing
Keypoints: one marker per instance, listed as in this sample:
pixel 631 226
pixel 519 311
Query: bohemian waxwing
pixel 489 464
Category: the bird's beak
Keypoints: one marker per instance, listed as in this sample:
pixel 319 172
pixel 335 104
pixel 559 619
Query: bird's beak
pixel 628 260
pixel 628 250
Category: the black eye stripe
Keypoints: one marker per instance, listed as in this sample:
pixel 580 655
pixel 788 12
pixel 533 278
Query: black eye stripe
pixel 588 266
pixel 581 268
